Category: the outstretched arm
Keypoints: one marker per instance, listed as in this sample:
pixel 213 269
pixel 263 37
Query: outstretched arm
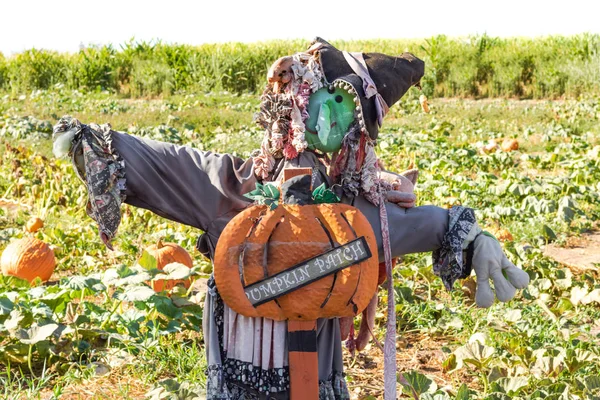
pixel 412 230
pixel 181 183
pixel 429 228
pixel 201 189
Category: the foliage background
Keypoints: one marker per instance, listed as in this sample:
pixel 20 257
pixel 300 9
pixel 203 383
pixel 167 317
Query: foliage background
pixel 476 66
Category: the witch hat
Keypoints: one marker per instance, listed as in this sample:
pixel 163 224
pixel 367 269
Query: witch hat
pixel 377 80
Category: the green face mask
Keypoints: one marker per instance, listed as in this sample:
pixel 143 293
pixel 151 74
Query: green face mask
pixel 331 111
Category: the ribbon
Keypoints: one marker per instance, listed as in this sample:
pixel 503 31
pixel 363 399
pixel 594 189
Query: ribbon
pixel 389 347
pixel 359 66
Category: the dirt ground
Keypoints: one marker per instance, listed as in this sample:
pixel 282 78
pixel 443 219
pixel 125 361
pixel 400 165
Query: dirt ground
pixel 580 253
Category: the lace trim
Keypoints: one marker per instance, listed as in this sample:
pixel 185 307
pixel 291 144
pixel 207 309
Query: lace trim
pixel 220 386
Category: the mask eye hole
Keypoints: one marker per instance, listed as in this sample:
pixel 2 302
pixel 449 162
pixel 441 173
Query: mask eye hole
pixel 330 89
pixel 338 98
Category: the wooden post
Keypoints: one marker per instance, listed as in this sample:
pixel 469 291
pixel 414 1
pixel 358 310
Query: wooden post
pixel 304 363
pixel 292 172
pixel 302 341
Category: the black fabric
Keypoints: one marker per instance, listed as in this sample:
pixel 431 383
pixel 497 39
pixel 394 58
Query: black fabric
pixel 448 261
pixel 204 246
pixel 296 190
pixel 393 76
pixel 303 341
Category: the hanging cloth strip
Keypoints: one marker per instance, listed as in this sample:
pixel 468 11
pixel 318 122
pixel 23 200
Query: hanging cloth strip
pixel 389 347
pixel 101 169
pixel 359 66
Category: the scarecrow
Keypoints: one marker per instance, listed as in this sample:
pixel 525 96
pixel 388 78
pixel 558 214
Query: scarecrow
pixel 297 231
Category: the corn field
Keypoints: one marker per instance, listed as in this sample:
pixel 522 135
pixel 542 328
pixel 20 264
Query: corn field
pixel 475 66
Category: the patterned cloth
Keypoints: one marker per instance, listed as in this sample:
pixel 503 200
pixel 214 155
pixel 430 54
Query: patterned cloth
pixel 238 380
pixel 102 171
pixel 448 261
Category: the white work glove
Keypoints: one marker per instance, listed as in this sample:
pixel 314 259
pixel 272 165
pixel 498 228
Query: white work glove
pixel 489 262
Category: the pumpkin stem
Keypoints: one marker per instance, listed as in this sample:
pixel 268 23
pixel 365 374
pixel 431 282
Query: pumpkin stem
pixel 160 244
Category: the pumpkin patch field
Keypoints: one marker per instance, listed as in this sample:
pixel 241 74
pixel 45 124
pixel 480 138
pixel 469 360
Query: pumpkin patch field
pixel 82 321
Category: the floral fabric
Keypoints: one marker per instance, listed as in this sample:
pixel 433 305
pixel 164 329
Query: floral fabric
pixel 102 171
pixel 448 261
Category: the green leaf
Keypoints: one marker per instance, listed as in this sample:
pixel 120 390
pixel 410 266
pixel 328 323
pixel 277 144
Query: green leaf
pixel 547 366
pixel 578 358
pixel 319 190
pixel 463 393
pixel 271 191
pixel 566 208
pixel 496 373
pixel 271 203
pixel 416 384
pixel 41 311
pixel 474 353
pixel 450 322
pixel 147 261
pixel 512 386
pixel 324 195
pixel 591 297
pixel 79 282
pixel 12 322
pixel 136 293
pixel 16 353
pixel 513 316
pixel 592 382
pixel 36 333
pixel 449 364
pixel 165 306
pixel 6 305
pixel 267 194
pixel 37 292
pixel 404 294
pixel 578 294
pixel 174 271
pixel 548 233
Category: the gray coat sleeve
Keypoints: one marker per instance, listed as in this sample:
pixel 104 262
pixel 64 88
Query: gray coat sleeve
pixel 205 190
pixel 184 184
pixel 412 230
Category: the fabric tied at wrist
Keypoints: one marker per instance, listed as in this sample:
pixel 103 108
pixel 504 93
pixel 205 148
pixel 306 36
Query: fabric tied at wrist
pixel 101 169
pixel 449 262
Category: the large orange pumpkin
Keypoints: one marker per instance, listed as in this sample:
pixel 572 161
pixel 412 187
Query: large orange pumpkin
pixel 28 258
pixel 167 253
pixel 259 243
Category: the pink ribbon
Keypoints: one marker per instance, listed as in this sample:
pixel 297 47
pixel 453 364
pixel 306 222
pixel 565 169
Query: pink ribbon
pixel 359 66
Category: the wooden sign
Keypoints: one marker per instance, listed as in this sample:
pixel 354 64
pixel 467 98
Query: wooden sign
pixel 308 271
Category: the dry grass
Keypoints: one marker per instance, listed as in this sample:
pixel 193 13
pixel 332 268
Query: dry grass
pixel 415 352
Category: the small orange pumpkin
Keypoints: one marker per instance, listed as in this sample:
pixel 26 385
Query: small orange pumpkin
pixel 167 253
pixel 510 145
pixel 262 243
pixel 28 258
pixel 34 224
